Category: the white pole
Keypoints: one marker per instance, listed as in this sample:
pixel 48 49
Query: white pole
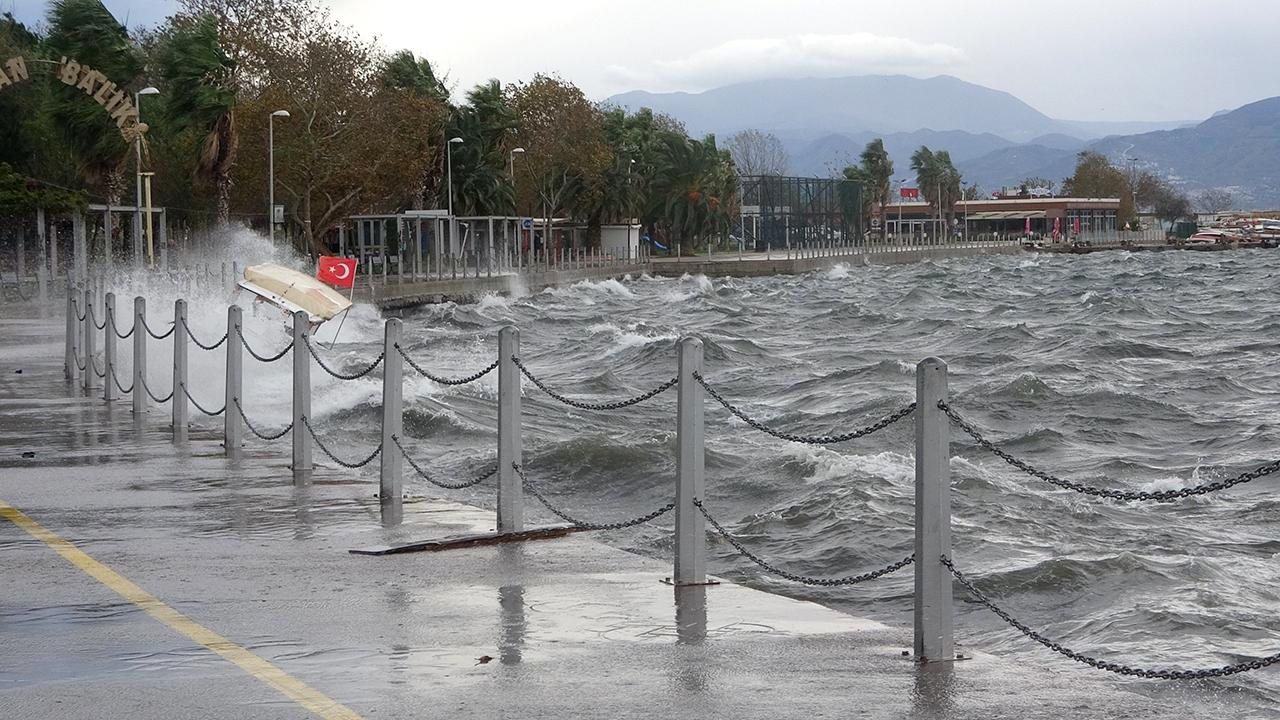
pixel 88 340
pixel 933 627
pixel 232 429
pixel 301 398
pixel 391 472
pixel 690 539
pixel 271 178
pixel 109 348
pixel 510 492
pixel 180 385
pixel 139 357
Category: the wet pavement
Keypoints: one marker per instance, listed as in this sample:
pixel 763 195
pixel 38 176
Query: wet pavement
pixel 556 628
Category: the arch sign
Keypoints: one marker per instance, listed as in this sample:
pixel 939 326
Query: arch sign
pixel 113 99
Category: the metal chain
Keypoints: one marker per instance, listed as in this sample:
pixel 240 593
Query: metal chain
pixel 593 406
pixel 335 458
pixel 354 376
pixel 582 524
pixel 120 387
pixel 806 439
pixel 1160 495
pixel 93 319
pixel 164 399
pixel 254 430
pixel 80 364
pixel 197 405
pixel 803 579
pixel 94 363
pixel 147 327
pixel 80 316
pixel 444 380
pixel 262 358
pixel 1161 674
pixel 199 344
pixel 116 328
pixel 441 483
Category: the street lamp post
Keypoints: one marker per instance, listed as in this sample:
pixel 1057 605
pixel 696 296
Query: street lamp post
pixel 512 166
pixel 137 197
pixel 271 173
pixel 511 169
pixel 453 224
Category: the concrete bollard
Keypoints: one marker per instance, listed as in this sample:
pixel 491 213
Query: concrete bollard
pixel 69 366
pixel 232 429
pixel 301 397
pixel 391 471
pixel 89 329
pixel 139 357
pixel 224 274
pixel 933 627
pixel 510 450
pixel 180 385
pixel 109 348
pixel 235 277
pixel 690 540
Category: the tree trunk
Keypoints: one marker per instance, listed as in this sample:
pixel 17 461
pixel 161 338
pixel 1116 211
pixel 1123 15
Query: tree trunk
pixel 115 186
pixel 223 182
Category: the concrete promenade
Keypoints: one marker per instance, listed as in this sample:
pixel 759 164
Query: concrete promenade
pixel 396 294
pixel 148 580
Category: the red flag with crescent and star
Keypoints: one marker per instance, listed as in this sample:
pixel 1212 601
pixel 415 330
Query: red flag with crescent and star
pixel 338 272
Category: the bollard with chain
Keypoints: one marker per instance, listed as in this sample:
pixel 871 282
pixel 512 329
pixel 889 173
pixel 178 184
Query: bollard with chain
pixel 301 397
pixel 69 359
pixel 933 626
pixel 109 349
pixel 88 340
pixel 139 356
pixel 691 536
pixel 232 430
pixel 510 490
pixel 180 385
pixel 391 471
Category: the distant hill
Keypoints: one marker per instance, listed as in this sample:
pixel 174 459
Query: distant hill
pixel 1239 150
pixel 812 108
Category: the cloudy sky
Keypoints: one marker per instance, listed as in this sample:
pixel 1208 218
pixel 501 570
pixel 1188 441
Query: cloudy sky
pixel 1078 60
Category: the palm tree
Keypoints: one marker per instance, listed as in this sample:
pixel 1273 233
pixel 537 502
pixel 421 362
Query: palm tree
pixel 877 174
pixel 480 182
pixel 693 189
pixel 202 97
pixel 404 73
pixel 86 31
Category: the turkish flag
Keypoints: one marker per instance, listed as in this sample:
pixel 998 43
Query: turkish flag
pixel 338 272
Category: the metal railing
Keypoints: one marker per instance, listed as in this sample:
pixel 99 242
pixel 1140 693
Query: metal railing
pixel 931 557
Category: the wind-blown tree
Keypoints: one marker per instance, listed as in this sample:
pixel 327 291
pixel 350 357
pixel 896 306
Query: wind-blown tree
pixel 938 179
pixel 404 73
pixel 758 153
pixel 86 31
pixel 694 192
pixel 201 96
pixel 1096 177
pixel 481 181
pixel 877 175
pixel 566 152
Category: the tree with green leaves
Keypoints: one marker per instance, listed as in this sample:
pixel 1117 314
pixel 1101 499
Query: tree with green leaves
pixel 694 191
pixel 201 96
pixel 938 179
pixel 481 180
pixel 877 175
pixel 1096 177
pixel 86 30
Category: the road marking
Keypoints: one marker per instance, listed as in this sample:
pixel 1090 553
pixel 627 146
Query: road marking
pixel 291 687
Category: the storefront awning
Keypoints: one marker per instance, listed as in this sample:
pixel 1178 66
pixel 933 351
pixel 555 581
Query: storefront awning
pixel 1007 215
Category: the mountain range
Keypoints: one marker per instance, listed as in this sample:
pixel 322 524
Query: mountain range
pixel 994 138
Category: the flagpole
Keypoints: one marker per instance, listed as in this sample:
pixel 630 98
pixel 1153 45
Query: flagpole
pixel 350 298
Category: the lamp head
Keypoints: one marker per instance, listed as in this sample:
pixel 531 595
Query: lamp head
pixel 280 113
pixel 149 91
pixel 517 150
pixel 455 140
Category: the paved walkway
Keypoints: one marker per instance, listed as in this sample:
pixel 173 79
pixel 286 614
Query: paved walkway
pixel 144 580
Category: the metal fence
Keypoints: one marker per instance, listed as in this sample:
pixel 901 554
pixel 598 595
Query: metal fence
pixel 932 412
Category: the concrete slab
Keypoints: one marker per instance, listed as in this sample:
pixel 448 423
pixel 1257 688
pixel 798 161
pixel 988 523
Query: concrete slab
pixel 562 628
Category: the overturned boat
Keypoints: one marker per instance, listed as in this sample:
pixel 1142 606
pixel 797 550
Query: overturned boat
pixel 291 291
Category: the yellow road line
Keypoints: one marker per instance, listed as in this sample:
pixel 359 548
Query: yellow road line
pixel 291 687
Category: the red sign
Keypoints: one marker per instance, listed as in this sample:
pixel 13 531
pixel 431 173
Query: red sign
pixel 1075 226
pixel 1027 226
pixel 909 193
pixel 1057 227
pixel 338 272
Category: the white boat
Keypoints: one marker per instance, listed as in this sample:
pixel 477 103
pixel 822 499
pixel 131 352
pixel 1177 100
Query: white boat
pixel 291 291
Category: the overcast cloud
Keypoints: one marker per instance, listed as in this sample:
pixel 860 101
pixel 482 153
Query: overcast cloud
pixel 1084 59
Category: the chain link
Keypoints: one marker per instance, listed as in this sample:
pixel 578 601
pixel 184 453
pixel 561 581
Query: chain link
pixel 147 327
pixel 335 458
pixel 582 524
pixel 803 579
pixel 354 376
pixel 164 399
pixel 80 363
pixel 254 430
pixel 444 380
pixel 593 406
pixel 94 363
pixel 199 344
pixel 806 439
pixel 488 473
pixel 115 328
pixel 1161 674
pixel 262 358
pixel 1160 495
pixel 197 405
pixel 80 316
pixel 94 319
pixel 116 380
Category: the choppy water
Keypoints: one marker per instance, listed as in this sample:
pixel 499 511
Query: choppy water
pixel 1144 371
